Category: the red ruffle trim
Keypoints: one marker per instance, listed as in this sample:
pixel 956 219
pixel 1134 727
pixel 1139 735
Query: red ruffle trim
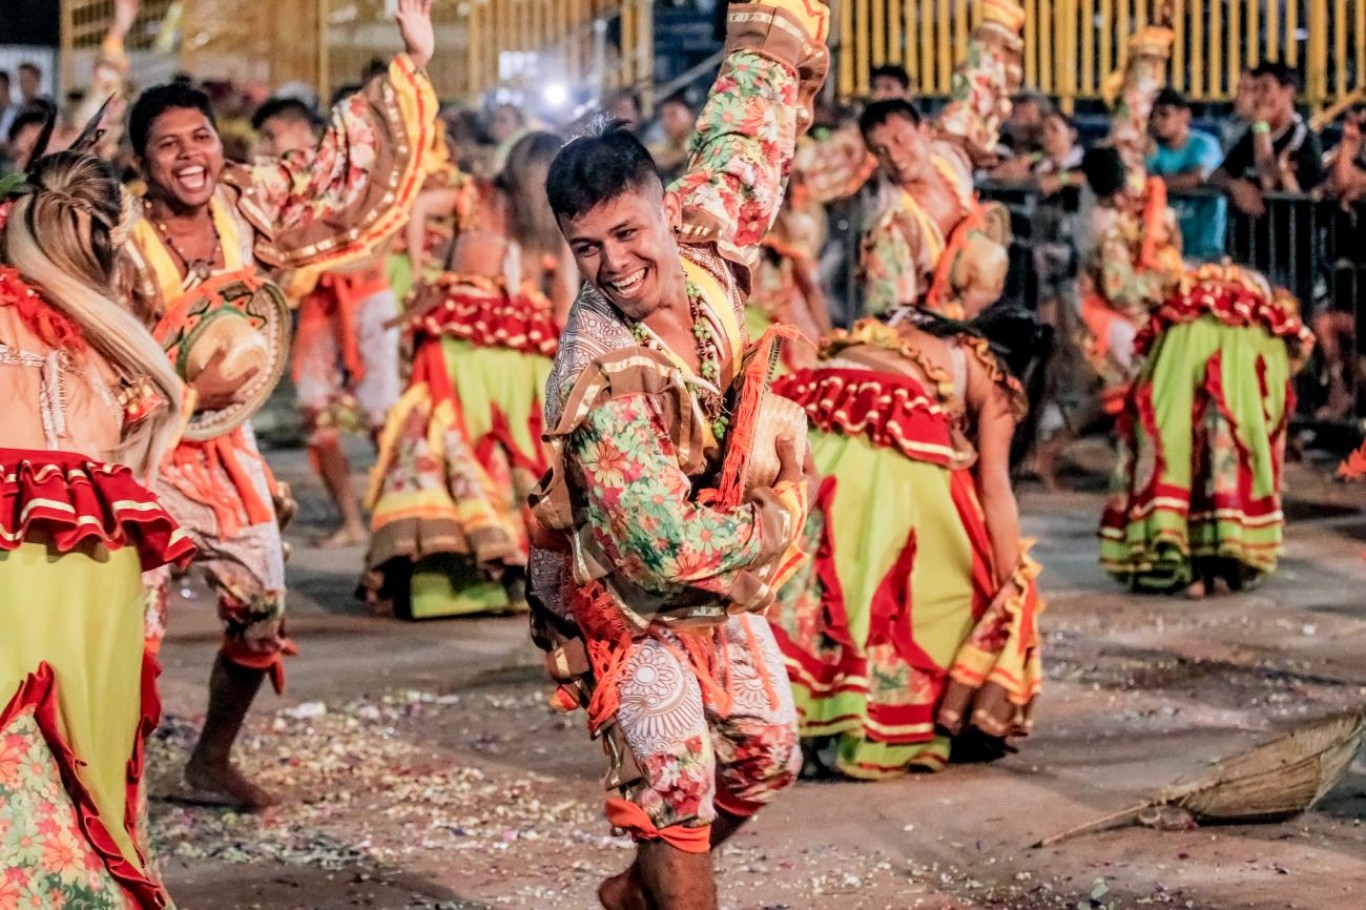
pixel 51 327
pixel 490 318
pixel 891 411
pixel 39 692
pixel 71 499
pixel 1230 301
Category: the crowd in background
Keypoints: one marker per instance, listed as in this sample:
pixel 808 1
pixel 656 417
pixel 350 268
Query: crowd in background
pixel 1209 157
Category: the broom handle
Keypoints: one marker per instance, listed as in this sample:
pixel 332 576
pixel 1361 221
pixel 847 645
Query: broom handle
pixel 1091 825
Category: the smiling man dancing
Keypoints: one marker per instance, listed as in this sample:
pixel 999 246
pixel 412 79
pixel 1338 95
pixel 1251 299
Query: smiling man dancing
pixel 646 604
pixel 207 232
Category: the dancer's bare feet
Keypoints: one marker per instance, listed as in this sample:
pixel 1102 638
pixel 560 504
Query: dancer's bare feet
pixel 348 535
pixel 624 891
pixel 225 785
pixel 1196 590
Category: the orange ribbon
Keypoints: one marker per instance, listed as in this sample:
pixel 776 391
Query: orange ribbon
pixel 627 816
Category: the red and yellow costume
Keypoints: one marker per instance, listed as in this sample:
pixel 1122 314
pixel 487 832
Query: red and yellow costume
pixel 462 449
pixel 78 692
pixel 654 571
pixel 907 256
pixel 321 208
pixel 903 630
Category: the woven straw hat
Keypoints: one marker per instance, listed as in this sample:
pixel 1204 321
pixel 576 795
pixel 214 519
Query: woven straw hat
pixel 243 323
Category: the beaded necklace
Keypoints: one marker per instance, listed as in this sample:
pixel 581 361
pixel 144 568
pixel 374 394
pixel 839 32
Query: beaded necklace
pixel 704 333
pixel 200 268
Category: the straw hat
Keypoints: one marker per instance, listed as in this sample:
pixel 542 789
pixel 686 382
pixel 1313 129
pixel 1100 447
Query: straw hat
pixel 236 331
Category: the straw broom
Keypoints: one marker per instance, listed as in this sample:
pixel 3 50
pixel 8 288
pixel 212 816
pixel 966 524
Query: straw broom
pixel 1270 782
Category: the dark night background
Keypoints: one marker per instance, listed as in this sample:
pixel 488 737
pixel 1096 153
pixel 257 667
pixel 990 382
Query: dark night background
pixel 29 22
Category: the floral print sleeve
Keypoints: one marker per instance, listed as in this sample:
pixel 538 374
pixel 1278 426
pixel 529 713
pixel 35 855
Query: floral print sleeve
pixel 639 509
pixel 888 264
pixel 335 204
pixel 1141 80
pixel 746 137
pixel 983 81
pixel 1125 284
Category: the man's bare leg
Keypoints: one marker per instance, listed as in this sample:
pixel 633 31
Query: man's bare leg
pixel 335 471
pixel 627 891
pixel 232 689
pixel 675 879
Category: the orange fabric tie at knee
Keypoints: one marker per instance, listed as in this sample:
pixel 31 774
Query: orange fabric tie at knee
pixel 272 662
pixel 627 816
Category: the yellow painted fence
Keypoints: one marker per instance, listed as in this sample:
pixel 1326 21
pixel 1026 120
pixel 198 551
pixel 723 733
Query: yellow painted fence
pixel 483 45
pixel 517 45
pixel 1071 45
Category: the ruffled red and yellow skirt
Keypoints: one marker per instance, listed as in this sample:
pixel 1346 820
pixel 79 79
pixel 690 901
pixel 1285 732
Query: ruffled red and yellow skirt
pixel 898 641
pixel 78 692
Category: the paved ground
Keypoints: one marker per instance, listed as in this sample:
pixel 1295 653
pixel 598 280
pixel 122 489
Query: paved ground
pixel 424 770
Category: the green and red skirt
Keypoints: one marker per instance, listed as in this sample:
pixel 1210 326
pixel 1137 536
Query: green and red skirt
pixel 462 449
pixel 1202 436
pixel 896 636
pixel 78 693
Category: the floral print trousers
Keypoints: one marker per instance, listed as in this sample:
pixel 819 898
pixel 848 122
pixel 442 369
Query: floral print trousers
pixel 694 755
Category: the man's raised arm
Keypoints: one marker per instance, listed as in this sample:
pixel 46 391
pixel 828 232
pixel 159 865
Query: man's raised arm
pixel 775 63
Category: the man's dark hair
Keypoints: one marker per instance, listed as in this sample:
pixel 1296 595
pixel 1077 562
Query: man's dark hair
pixel 346 91
pixel 893 71
pixel 33 68
pixel 32 116
pixel 4 77
pixel 1034 97
pixel 1066 121
pixel 1285 75
pixel 1170 97
pixel 377 67
pixel 679 97
pixel 1104 171
pixel 879 112
pixel 156 101
pixel 291 110
pixel 598 168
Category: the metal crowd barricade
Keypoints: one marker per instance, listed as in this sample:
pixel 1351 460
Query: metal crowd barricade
pixel 1313 247
pixel 1316 249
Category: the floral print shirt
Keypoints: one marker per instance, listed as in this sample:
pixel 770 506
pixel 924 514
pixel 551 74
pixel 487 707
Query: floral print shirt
pixel 637 501
pixel 901 248
pixel 634 475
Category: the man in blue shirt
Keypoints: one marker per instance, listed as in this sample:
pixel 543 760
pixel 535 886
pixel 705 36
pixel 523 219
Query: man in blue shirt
pixel 1184 159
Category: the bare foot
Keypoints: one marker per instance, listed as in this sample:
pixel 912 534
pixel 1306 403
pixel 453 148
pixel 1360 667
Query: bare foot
pixel 1221 587
pixel 227 786
pixel 345 536
pixel 623 892
pixel 1196 591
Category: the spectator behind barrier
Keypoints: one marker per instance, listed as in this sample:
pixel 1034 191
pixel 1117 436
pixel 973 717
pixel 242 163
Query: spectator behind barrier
pixel 1232 127
pixel 1185 159
pixel 676 123
pixel 890 81
pixel 1279 152
pixel 1057 163
pixel 1022 132
pixel 8 109
pixel 1335 325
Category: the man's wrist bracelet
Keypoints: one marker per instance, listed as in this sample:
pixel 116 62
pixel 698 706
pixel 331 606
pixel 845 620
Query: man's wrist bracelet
pixel 1261 128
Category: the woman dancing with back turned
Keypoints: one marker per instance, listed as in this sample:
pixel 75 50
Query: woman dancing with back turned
pixel 90 408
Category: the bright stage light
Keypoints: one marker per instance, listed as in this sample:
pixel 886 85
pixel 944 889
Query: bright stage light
pixel 556 94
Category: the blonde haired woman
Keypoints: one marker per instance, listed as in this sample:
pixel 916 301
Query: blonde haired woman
pixel 86 393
